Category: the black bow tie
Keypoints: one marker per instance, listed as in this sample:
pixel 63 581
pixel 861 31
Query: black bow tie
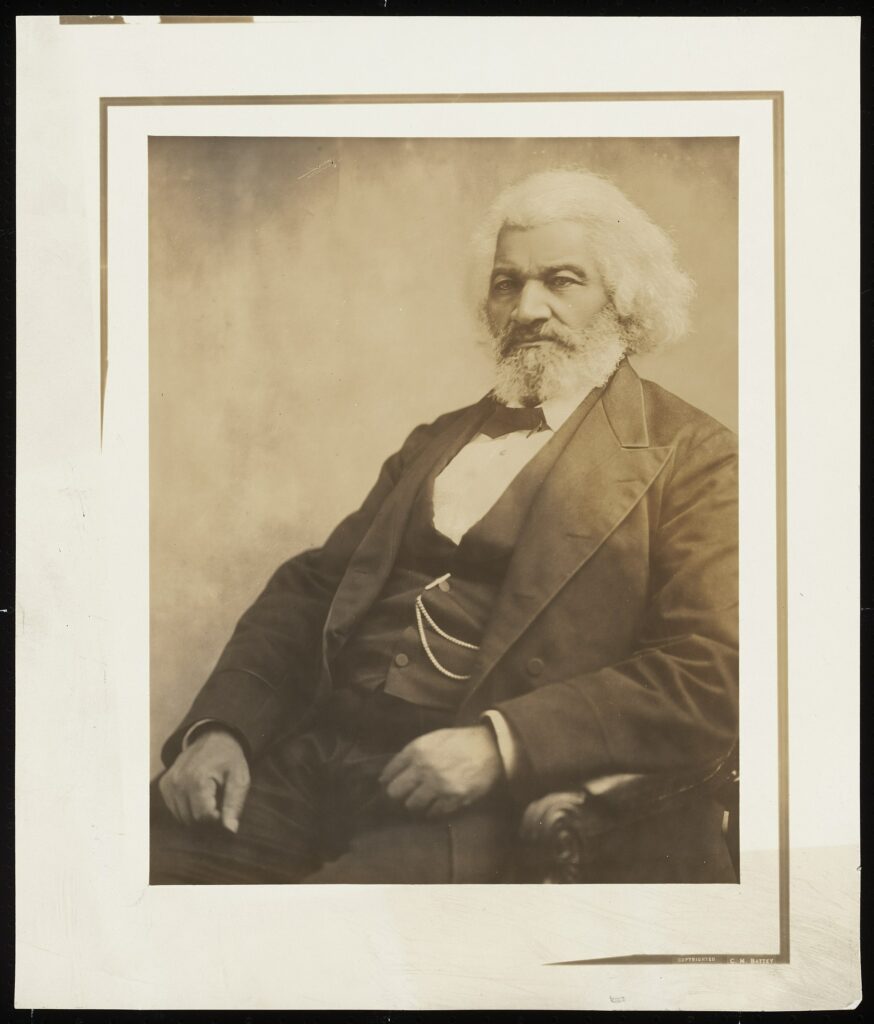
pixel 505 420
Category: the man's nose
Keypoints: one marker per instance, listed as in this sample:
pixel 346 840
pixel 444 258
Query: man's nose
pixel 532 304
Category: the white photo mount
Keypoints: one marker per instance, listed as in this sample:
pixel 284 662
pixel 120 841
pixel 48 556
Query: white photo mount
pixel 722 927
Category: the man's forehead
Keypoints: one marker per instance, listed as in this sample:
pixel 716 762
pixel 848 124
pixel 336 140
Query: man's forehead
pixel 556 241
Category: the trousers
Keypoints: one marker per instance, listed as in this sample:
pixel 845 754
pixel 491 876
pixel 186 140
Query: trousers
pixel 316 814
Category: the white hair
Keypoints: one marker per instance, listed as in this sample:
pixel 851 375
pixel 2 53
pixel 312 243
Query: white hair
pixel 636 259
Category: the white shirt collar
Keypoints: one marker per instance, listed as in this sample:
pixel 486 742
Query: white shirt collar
pixel 557 410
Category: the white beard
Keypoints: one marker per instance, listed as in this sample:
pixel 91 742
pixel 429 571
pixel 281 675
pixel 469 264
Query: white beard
pixel 568 362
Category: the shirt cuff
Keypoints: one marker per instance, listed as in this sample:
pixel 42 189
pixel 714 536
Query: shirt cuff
pixel 506 744
pixel 192 729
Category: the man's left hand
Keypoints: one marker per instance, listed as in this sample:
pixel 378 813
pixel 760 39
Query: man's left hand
pixel 445 770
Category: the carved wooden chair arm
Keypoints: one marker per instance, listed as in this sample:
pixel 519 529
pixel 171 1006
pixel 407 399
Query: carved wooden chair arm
pixel 557 830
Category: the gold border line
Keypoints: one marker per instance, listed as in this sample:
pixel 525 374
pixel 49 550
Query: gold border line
pixel 435 97
pixel 777 100
pixel 782 516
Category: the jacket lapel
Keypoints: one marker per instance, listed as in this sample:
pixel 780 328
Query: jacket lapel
pixel 603 472
pixel 375 556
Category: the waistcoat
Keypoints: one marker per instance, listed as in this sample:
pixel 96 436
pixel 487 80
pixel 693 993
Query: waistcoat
pixel 385 652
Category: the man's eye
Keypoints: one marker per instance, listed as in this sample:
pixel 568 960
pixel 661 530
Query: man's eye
pixel 502 285
pixel 562 282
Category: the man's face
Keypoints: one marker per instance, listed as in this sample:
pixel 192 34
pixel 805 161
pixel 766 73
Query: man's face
pixel 543 276
pixel 553 329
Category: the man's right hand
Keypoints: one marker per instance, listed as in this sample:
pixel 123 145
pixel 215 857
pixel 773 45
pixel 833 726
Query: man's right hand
pixel 208 781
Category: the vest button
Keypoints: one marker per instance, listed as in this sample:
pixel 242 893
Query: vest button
pixel 535 666
pixel 401 660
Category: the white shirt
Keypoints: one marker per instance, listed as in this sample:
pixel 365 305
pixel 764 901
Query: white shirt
pixel 484 468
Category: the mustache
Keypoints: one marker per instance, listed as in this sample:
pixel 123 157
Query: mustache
pixel 520 334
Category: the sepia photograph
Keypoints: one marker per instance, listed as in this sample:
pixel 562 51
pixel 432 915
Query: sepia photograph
pixel 510 654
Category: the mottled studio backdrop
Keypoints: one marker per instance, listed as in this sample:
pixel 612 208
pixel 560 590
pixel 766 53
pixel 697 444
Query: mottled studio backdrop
pixel 308 308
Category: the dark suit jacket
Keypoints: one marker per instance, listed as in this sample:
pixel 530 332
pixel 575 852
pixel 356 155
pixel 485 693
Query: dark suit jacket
pixel 613 643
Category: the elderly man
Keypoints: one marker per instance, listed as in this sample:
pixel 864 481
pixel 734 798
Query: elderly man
pixel 540 589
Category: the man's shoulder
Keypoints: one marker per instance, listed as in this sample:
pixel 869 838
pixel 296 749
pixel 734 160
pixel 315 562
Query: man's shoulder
pixel 673 421
pixel 422 435
pixel 444 421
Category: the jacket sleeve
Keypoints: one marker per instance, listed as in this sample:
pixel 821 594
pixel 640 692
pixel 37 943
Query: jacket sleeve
pixel 267 674
pixel 671 705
